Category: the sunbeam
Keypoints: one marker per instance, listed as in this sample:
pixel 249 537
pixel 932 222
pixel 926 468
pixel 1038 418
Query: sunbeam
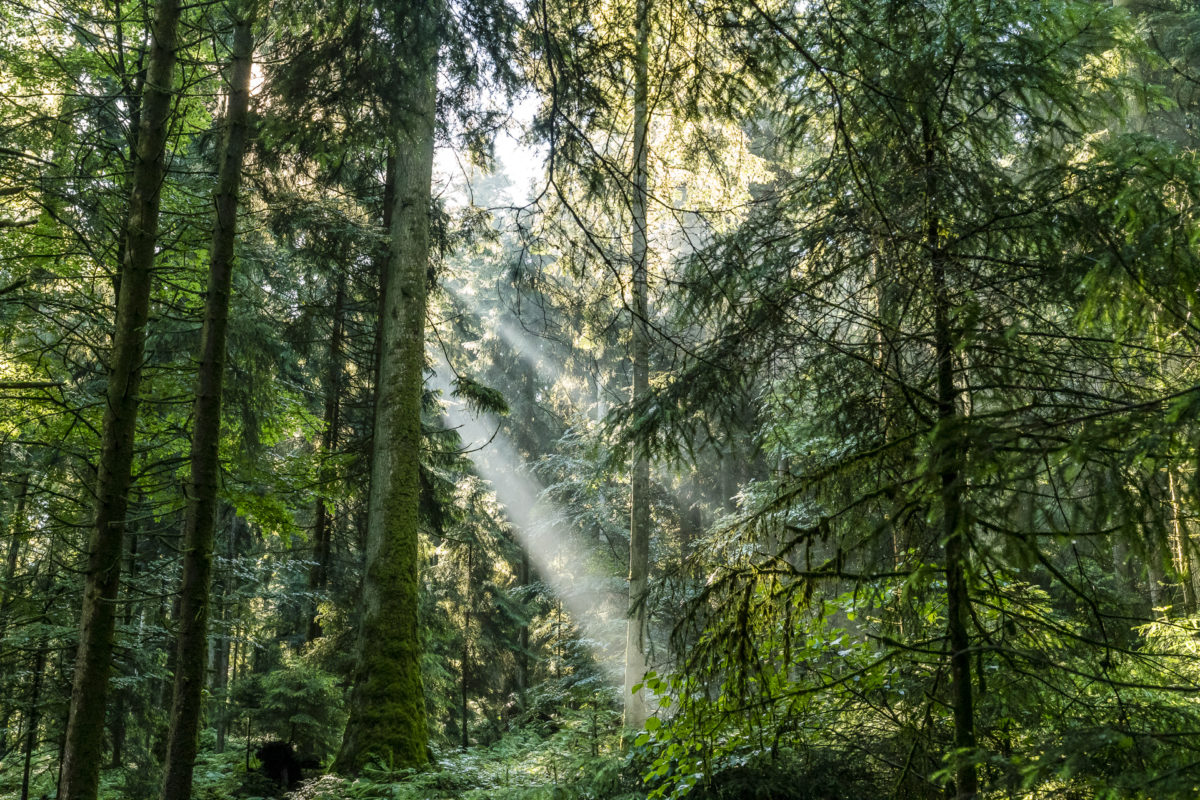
pixel 529 349
pixel 536 354
pixel 561 560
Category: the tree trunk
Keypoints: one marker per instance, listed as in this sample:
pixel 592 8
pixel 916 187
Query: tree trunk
pixel 89 691
pixel 191 656
pixel 17 535
pixel 639 521
pixel 523 580
pixel 218 679
pixel 31 718
pixel 466 652
pixel 121 701
pixel 235 659
pixel 1156 576
pixel 949 460
pixel 387 704
pixel 33 715
pixel 389 211
pixel 318 577
pixel 219 685
pixel 230 616
pixel 1181 545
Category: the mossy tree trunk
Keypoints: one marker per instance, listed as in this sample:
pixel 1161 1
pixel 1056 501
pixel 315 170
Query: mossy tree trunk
pixel 89 691
pixel 387 703
pixel 191 654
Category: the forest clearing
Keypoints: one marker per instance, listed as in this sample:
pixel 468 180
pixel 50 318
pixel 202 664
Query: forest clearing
pixel 623 400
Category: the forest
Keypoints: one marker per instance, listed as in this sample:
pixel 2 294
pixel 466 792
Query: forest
pixel 653 399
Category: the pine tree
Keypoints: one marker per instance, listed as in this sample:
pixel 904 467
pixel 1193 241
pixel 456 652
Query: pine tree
pixel 191 658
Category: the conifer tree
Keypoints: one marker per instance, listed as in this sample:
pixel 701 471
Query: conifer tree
pixel 191 656
pixel 89 694
pixel 636 643
pixel 387 707
pixel 904 283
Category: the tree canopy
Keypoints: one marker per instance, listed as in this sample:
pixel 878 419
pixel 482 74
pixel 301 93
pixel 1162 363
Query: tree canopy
pixel 820 422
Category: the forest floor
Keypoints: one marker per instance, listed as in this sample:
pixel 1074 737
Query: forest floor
pixel 521 766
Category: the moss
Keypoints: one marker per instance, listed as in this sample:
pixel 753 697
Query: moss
pixel 387 705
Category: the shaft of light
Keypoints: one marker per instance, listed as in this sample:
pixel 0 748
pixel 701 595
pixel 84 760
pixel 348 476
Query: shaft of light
pixel 561 560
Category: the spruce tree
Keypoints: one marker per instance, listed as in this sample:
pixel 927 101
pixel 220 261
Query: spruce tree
pixel 191 657
pixel 89 693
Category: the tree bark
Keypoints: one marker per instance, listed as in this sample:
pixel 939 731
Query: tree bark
pixel 523 682
pixel 89 691
pixel 466 651
pixel 1156 576
pixel 117 720
pixel 949 461
pixel 31 718
pixel 219 678
pixel 17 535
pixel 318 577
pixel 192 644
pixel 387 705
pixel 639 518
pixel 1181 545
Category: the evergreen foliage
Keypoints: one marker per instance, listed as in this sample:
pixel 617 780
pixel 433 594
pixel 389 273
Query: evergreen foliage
pixel 880 318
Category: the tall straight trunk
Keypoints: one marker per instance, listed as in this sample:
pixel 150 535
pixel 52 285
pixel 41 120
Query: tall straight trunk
pixel 949 463
pixel 89 691
pixel 1158 553
pixel 117 718
pixel 1156 576
pixel 639 517
pixel 228 647
pixel 218 677
pixel 236 658
pixel 691 524
pixel 892 546
pixel 32 717
pixel 1182 545
pixel 389 211
pixel 466 652
pixel 17 536
pixel 318 576
pixel 523 579
pixel 387 703
pixel 191 655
